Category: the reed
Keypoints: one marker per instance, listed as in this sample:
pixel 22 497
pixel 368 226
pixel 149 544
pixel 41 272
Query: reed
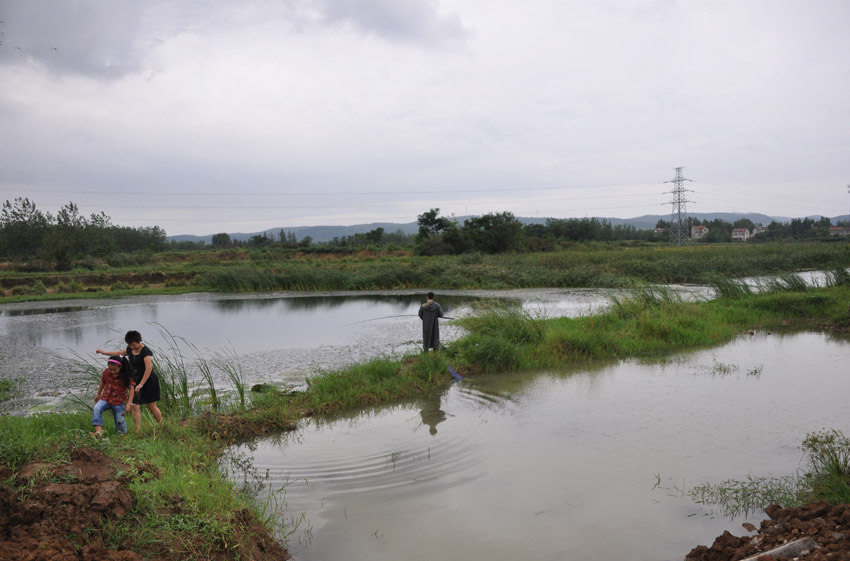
pixel 826 478
pixel 228 362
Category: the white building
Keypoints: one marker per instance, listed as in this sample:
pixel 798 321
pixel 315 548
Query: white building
pixel 740 234
pixel 699 231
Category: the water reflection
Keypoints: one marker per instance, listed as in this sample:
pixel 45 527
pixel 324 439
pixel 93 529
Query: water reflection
pixel 548 465
pixel 431 413
pixel 37 311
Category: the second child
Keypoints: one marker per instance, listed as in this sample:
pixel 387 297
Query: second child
pixel 115 392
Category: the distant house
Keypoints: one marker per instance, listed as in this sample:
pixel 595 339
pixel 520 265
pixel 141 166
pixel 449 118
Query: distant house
pixel 699 231
pixel 741 234
pixel 839 231
pixel 662 230
pixel 759 230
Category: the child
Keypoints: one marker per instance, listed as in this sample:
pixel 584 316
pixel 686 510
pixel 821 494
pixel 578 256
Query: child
pixel 114 392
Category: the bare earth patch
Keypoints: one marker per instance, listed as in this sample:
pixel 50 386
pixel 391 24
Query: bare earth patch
pixel 59 517
pixel 827 526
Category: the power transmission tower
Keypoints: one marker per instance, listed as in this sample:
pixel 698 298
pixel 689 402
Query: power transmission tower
pixel 678 229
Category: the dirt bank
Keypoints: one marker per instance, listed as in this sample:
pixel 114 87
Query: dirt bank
pixel 828 526
pixel 58 512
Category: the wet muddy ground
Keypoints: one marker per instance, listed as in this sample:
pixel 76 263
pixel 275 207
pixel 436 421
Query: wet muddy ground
pixel 60 511
pixel 822 531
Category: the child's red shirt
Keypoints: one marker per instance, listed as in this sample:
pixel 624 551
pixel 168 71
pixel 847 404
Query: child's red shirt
pixel 114 392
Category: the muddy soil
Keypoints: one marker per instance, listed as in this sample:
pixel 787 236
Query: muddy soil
pixel 57 512
pixel 828 526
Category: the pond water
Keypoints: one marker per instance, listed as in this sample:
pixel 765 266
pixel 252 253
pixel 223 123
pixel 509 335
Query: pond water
pixel 555 465
pixel 277 337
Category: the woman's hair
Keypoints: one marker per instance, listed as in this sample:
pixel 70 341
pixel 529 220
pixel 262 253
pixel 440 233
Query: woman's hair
pixel 133 337
pixel 126 372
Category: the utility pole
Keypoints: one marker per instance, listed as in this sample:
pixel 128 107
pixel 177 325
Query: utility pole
pixel 678 230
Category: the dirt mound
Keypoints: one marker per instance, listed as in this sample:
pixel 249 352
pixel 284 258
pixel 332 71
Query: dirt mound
pixel 828 526
pixel 55 513
pixel 38 523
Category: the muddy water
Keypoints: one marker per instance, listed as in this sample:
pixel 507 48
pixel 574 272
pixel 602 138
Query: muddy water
pixel 556 465
pixel 277 336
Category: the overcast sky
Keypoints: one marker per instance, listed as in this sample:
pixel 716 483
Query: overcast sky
pixel 204 116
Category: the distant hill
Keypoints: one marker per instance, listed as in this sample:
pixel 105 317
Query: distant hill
pixel 327 233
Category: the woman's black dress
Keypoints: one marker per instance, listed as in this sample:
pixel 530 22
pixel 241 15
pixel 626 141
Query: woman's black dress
pixel 150 391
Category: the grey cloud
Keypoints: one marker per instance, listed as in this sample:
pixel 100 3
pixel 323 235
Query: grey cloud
pixel 85 37
pixel 417 21
pixel 110 39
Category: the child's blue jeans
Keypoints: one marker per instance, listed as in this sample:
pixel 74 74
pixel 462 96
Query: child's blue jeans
pixel 117 412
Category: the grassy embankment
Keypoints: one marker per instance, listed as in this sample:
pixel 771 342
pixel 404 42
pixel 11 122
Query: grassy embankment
pixel 184 456
pixel 593 265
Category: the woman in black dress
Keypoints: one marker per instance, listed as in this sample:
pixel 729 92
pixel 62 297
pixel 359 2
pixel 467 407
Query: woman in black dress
pixel 147 382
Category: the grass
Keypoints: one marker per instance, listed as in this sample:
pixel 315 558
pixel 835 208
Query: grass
pixel 825 479
pixel 174 468
pixel 592 265
pixel 182 502
pixel 7 390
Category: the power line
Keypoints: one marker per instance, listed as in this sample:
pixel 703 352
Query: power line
pixel 320 193
pixel 325 206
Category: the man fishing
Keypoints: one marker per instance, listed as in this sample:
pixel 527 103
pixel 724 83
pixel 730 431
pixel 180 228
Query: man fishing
pixel 429 313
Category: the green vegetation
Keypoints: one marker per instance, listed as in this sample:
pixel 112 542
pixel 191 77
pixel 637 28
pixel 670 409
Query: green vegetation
pixel 69 255
pixel 7 390
pixel 590 265
pixel 826 479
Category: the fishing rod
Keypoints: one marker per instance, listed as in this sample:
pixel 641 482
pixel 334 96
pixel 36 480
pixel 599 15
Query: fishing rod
pixel 388 317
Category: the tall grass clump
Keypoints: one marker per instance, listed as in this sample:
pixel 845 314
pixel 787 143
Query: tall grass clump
pixel 826 478
pixel 228 362
pixel 7 390
pixel 725 287
pixel 501 336
pixel 786 283
pixel 838 277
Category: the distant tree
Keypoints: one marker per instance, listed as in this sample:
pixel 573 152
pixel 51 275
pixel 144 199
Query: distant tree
pixel 22 228
pixel 98 234
pixel 374 237
pixel 535 230
pixel 719 231
pixel 66 238
pixel 431 224
pixel 744 223
pixel 494 233
pixel 260 240
pixel 221 240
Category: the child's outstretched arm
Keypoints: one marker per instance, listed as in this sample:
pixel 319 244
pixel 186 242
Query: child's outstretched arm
pixel 99 390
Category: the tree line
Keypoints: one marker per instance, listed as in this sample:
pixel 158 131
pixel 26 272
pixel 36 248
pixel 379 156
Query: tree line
pixel 502 232
pixel 27 233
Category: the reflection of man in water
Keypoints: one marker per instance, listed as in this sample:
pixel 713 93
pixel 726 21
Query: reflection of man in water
pixel 431 413
pixel 429 313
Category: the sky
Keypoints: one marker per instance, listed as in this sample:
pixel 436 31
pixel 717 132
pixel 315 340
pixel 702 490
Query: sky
pixel 206 116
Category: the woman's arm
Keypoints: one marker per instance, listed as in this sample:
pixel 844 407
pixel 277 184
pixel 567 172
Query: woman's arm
pixel 147 374
pixel 109 353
